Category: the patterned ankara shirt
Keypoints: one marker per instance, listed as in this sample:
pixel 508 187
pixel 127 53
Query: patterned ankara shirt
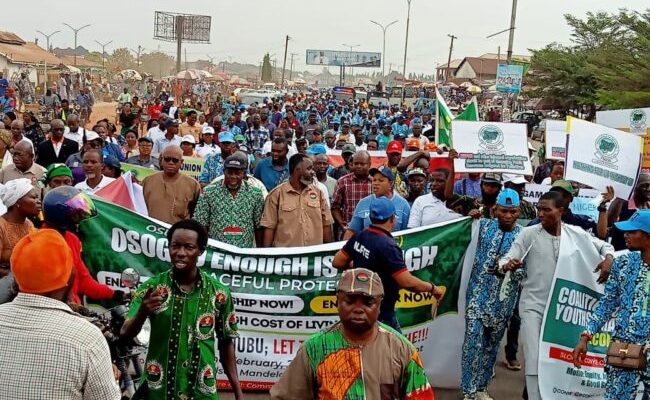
pixel 229 219
pixel 626 297
pixel 483 288
pixel 327 366
pixel 181 361
pixel 348 193
pixel 49 352
pixel 212 168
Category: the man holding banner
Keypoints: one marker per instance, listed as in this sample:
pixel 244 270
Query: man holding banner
pixel 626 300
pixel 538 250
pixel 486 314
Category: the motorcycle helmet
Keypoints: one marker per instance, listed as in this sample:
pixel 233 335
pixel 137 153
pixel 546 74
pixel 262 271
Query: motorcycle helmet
pixel 66 206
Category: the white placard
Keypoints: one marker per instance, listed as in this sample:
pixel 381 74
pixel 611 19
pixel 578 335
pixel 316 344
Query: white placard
pixel 491 147
pixel 633 120
pixel 555 140
pixel 599 156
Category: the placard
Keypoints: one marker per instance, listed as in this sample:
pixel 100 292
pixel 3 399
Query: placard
pixel 599 156
pixel 491 147
pixel 555 140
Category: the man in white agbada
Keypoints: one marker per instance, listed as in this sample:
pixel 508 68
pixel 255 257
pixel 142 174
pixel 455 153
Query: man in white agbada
pixel 539 249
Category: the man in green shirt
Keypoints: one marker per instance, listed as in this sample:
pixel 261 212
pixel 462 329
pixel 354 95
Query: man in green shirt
pixel 231 210
pixel 187 309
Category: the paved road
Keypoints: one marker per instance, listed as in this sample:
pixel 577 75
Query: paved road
pixel 507 385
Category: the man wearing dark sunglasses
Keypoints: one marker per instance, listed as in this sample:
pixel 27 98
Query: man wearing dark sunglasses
pixel 57 149
pixel 169 195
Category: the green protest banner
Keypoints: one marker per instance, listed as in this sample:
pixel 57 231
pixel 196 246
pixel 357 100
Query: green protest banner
pixel 192 167
pixel 282 295
pixel 138 171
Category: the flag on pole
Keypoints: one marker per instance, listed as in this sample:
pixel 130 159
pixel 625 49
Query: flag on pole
pixel 443 121
pixel 470 113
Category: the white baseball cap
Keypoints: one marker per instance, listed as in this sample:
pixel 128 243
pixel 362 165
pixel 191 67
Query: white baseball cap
pixel 188 139
pixel 514 179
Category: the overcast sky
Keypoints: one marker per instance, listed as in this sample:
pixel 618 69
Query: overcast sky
pixel 245 30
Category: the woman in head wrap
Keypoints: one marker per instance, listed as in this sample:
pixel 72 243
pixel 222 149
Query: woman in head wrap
pixel 22 201
pixel 55 176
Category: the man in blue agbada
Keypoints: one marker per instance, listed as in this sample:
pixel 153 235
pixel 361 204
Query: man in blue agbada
pixel 487 312
pixel 627 292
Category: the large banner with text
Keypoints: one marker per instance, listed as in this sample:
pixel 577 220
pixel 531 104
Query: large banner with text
pixel 283 295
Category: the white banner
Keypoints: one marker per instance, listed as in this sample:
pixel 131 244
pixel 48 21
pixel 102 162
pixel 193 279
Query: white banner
pixel 572 299
pixel 633 120
pixel 491 147
pixel 599 156
pixel 555 140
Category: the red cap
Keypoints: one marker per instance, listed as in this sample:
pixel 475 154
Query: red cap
pixel 394 147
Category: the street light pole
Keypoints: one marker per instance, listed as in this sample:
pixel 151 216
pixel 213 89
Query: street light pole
pixel 47 38
pixel 383 48
pixel 451 48
pixel 103 52
pixel 351 47
pixel 76 31
pixel 406 45
pixel 511 35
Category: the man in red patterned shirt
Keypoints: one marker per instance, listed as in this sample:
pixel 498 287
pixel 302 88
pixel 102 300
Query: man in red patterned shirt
pixel 350 189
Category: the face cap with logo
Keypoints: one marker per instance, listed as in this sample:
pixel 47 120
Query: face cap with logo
pixel 226 137
pixel 394 147
pixel 384 170
pixel 639 221
pixel 508 198
pixel 491 177
pixel 360 281
pixel 234 162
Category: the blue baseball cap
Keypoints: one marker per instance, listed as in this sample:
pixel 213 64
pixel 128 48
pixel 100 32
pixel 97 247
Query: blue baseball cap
pixel 384 170
pixel 317 148
pixel 508 198
pixel 639 221
pixel 381 208
pixel 226 137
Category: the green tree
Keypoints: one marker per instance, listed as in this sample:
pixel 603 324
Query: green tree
pixel 266 69
pixel 121 59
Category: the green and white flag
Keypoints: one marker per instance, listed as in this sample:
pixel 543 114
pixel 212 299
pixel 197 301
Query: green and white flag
pixel 470 113
pixel 443 121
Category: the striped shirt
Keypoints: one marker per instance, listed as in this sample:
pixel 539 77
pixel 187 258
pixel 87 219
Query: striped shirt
pixel 49 352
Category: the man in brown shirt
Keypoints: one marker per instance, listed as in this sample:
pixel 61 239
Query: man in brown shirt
pixel 23 165
pixel 296 212
pixel 169 195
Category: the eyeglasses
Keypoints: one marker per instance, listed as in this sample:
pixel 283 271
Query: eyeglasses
pixel 173 160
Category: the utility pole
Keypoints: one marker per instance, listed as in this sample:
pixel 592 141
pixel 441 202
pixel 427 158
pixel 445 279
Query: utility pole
pixel 383 48
pixel 186 58
pixel 76 31
pixel 284 64
pixel 291 69
pixel 47 38
pixel 103 52
pixel 406 45
pixel 511 35
pixel 451 48
pixel 350 60
pixel 137 53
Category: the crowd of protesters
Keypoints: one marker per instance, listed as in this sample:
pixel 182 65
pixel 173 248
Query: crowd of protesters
pixel 306 169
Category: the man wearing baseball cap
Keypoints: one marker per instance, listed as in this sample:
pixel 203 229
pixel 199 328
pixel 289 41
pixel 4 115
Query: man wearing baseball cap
pixel 565 188
pixel 170 137
pixel 39 332
pixel 382 186
pixel 347 152
pixel 374 248
pixel 518 184
pixel 213 166
pixel 362 345
pixel 486 314
pixel 231 210
pixel 624 300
